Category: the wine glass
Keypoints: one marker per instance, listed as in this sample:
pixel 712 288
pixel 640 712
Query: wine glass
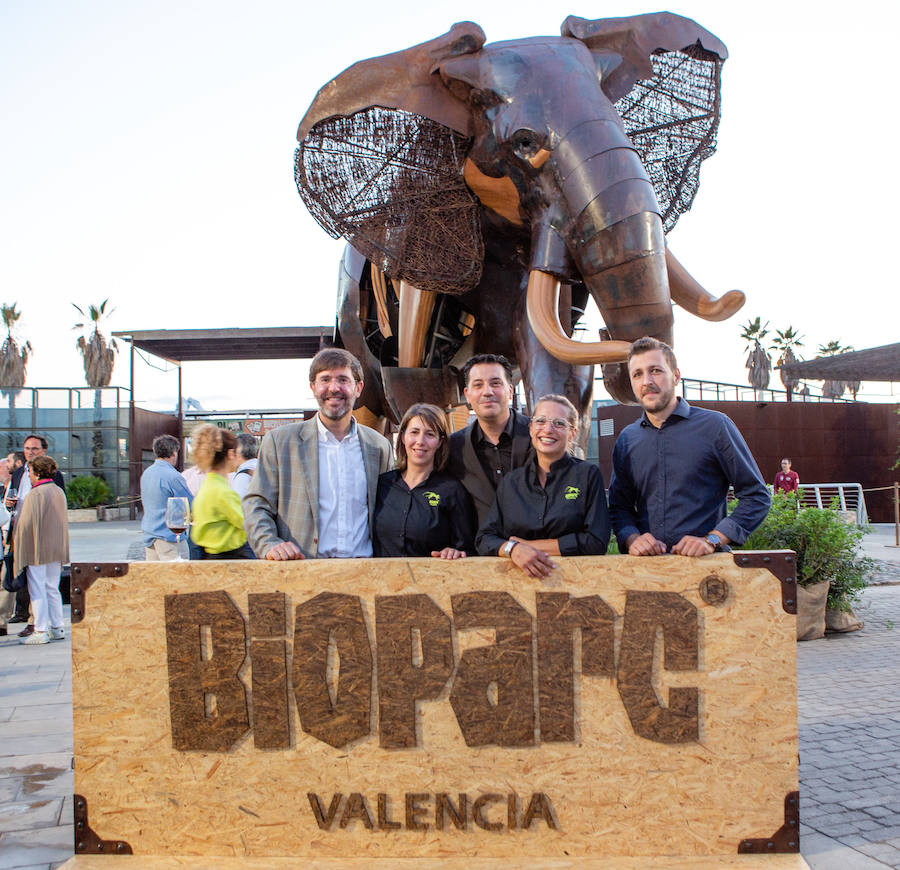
pixel 178 515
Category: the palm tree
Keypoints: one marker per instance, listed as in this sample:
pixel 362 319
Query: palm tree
pixel 99 357
pixel 835 389
pixel 13 361
pixel 758 361
pixel 785 342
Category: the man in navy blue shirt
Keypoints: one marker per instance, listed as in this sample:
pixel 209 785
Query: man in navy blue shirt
pixel 159 483
pixel 672 469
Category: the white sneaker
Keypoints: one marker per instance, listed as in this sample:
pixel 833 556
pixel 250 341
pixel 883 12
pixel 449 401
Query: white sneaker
pixel 57 633
pixel 35 638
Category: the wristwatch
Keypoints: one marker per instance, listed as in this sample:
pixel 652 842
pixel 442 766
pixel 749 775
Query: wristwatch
pixel 715 540
pixel 508 548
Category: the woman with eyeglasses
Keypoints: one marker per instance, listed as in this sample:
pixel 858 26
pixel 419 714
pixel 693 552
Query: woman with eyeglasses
pixel 554 505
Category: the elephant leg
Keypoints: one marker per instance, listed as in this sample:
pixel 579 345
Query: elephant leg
pixel 692 297
pixel 543 373
pixel 351 332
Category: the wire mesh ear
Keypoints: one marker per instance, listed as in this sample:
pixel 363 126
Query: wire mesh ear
pixel 672 120
pixel 391 183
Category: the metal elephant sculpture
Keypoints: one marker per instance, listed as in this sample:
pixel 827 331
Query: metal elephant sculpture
pixel 498 186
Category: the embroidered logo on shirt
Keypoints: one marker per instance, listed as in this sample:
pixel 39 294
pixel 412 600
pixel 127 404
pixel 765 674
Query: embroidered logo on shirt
pixel 432 498
pixel 572 492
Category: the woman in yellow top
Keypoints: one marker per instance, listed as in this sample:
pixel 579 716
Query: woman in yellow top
pixel 217 526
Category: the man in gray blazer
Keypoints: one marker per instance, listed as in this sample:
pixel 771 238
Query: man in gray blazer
pixel 313 493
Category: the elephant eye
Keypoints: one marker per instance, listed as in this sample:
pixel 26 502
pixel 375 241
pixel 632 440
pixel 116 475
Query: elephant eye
pixel 525 143
pixel 481 99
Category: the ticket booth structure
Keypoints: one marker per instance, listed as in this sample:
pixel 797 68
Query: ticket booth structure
pixel 625 713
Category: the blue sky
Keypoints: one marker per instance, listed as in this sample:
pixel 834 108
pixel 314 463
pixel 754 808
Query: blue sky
pixel 147 153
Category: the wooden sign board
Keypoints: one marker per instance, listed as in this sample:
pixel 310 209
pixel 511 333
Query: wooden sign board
pixel 354 710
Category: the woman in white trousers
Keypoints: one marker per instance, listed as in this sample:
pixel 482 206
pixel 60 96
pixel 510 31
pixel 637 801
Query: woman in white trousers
pixel 40 546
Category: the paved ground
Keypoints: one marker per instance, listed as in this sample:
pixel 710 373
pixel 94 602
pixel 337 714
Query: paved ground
pixel 849 721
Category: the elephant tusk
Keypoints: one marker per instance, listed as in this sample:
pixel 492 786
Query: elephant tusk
pixel 688 293
pixel 542 307
pixel 415 315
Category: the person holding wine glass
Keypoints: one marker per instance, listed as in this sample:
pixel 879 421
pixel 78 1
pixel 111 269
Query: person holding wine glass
pixel 159 483
pixel 554 505
pixel 217 531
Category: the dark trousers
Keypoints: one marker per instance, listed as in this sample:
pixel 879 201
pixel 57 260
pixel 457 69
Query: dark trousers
pixel 243 552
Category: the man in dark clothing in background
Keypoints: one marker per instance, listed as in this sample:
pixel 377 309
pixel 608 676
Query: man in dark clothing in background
pixel 497 441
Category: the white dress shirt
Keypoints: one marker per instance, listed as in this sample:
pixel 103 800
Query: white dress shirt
pixel 240 480
pixel 343 496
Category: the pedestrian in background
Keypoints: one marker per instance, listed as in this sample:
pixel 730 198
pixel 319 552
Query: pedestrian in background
pixel 217 526
pixel 159 483
pixel 40 547
pixel 248 449
pixel 786 480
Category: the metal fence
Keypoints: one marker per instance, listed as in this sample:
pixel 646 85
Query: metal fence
pixel 842 496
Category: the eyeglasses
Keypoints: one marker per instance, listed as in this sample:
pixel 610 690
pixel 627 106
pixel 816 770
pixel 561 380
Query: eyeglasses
pixel 555 422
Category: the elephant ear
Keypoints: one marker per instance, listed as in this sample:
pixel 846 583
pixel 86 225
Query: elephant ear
pixel 381 159
pixel 663 72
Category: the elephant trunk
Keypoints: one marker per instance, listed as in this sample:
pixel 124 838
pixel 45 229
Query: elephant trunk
pixel 615 237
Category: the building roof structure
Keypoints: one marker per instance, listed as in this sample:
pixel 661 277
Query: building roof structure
pixel 199 345
pixel 871 364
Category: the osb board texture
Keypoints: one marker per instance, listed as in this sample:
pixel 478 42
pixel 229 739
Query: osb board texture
pixel 613 793
pixel 721 862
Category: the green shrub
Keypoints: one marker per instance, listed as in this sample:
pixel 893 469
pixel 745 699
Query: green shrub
pixel 827 547
pixel 87 492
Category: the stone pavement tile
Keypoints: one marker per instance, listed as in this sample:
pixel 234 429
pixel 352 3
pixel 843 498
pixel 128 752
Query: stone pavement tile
pixel 62 710
pixel 885 852
pixel 24 765
pixel 29 814
pixel 37 848
pixel 823 853
pixel 28 744
pixel 50 782
pixel 67 813
pixel 58 722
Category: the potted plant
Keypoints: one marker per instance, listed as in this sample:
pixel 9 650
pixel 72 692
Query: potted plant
pixel 831 573
pixel 84 494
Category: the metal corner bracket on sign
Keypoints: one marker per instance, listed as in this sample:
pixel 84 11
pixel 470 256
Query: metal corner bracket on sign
pixel 87 842
pixel 84 574
pixel 782 563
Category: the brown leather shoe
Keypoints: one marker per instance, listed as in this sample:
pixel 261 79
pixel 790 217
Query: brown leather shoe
pixel 29 629
pixel 3 631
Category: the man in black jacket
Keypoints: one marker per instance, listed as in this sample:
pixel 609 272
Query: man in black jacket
pixel 497 441
pixel 35 445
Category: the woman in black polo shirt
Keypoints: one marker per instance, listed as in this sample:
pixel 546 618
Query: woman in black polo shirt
pixel 420 510
pixel 554 505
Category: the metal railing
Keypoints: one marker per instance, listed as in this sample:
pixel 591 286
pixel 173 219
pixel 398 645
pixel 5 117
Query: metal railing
pixel 848 496
pixel 691 388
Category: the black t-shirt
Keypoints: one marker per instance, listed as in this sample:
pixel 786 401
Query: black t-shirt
pixel 495 459
pixel 435 514
pixel 571 506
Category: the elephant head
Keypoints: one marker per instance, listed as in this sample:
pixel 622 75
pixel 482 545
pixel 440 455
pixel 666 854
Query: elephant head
pixel 581 149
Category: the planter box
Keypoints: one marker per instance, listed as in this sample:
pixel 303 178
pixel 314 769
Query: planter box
pixel 82 515
pixel 811 601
